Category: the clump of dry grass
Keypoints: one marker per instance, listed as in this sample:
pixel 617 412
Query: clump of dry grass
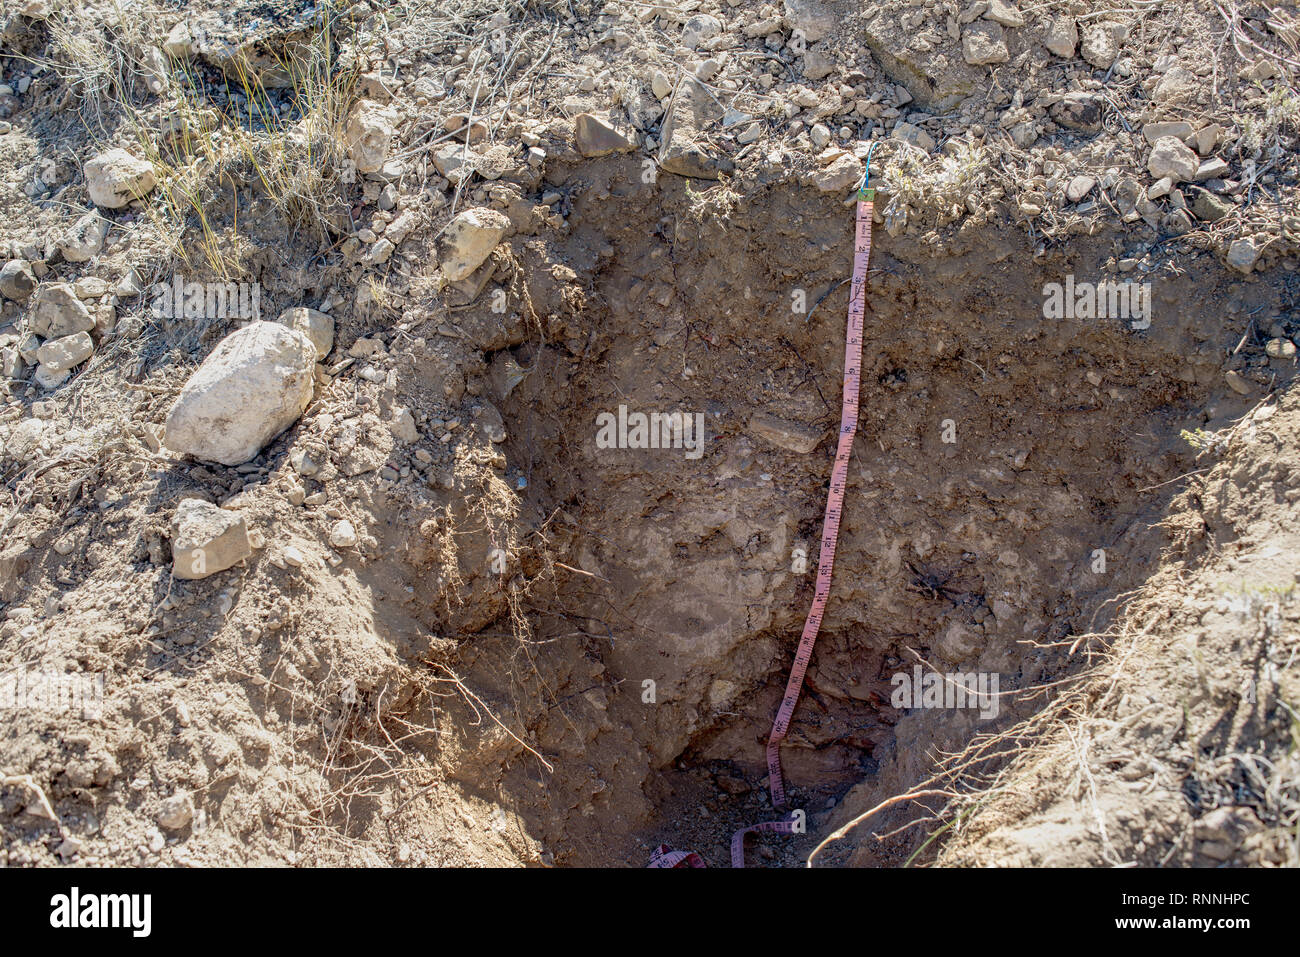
pixel 101 55
pixel 294 158
pixel 288 145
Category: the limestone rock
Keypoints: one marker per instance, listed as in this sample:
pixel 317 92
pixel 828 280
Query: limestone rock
pixel 48 379
pixel 368 134
pixel 913 135
pixel 343 535
pixel 28 346
pixel 787 435
pixel 84 238
pixel 1005 13
pixel 470 239
pixel 984 43
pixel 843 173
pixel 17 281
pixel 454 158
pixel 57 312
pixel 1207 138
pixel 1171 157
pixel 206 539
pixel 818 64
pixel 12 364
pixel 1155 131
pixel 1061 36
pixel 764 27
pixel 1280 349
pixel 1100 45
pixel 1178 85
pixel 934 82
pixel 1079 187
pixel 1209 208
pixel 401 227
pixel 253 386
pixel 1237 382
pixel 179 43
pixel 1243 254
pixel 1223 830
pixel 1215 168
pixel 403 426
pixel 813 18
pixel 700 28
pixel 315 325
pixel 176 812
pixel 58 355
pixel 595 136
pixel 115 177
pixel 683 148
pixel 1160 188
pixel 90 287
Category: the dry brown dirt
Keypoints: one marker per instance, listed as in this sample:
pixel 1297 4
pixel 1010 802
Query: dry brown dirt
pixel 545 652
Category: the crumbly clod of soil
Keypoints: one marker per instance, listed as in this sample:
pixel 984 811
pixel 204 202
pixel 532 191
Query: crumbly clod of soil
pixel 468 633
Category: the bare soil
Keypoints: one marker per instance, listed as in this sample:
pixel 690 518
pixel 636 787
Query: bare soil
pixel 544 652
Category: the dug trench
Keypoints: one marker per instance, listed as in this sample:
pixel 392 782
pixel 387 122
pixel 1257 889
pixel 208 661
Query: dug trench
pixel 539 650
pixel 1007 488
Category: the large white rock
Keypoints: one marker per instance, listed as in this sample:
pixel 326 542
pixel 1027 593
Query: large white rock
pixel 470 239
pixel 116 177
pixel 48 379
pixel 179 42
pixel 1243 254
pixel 984 43
pixel 813 18
pixel 1100 44
pixel 1062 36
pixel 253 386
pixel 699 28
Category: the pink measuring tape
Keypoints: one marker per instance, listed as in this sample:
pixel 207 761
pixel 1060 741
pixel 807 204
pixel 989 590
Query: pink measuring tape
pixel 665 856
pixel 830 532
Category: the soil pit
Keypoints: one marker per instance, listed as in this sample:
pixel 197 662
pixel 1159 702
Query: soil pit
pixel 1005 489
pixel 583 646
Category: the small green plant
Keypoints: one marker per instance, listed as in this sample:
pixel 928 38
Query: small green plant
pixel 1203 440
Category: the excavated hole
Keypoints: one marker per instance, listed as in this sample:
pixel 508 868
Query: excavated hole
pixel 975 555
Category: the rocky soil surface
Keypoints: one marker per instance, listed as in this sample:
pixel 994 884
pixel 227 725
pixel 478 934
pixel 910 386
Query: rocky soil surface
pixel 311 552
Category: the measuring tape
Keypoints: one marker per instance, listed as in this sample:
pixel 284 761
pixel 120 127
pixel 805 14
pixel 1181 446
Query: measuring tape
pixel 665 856
pixel 830 532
